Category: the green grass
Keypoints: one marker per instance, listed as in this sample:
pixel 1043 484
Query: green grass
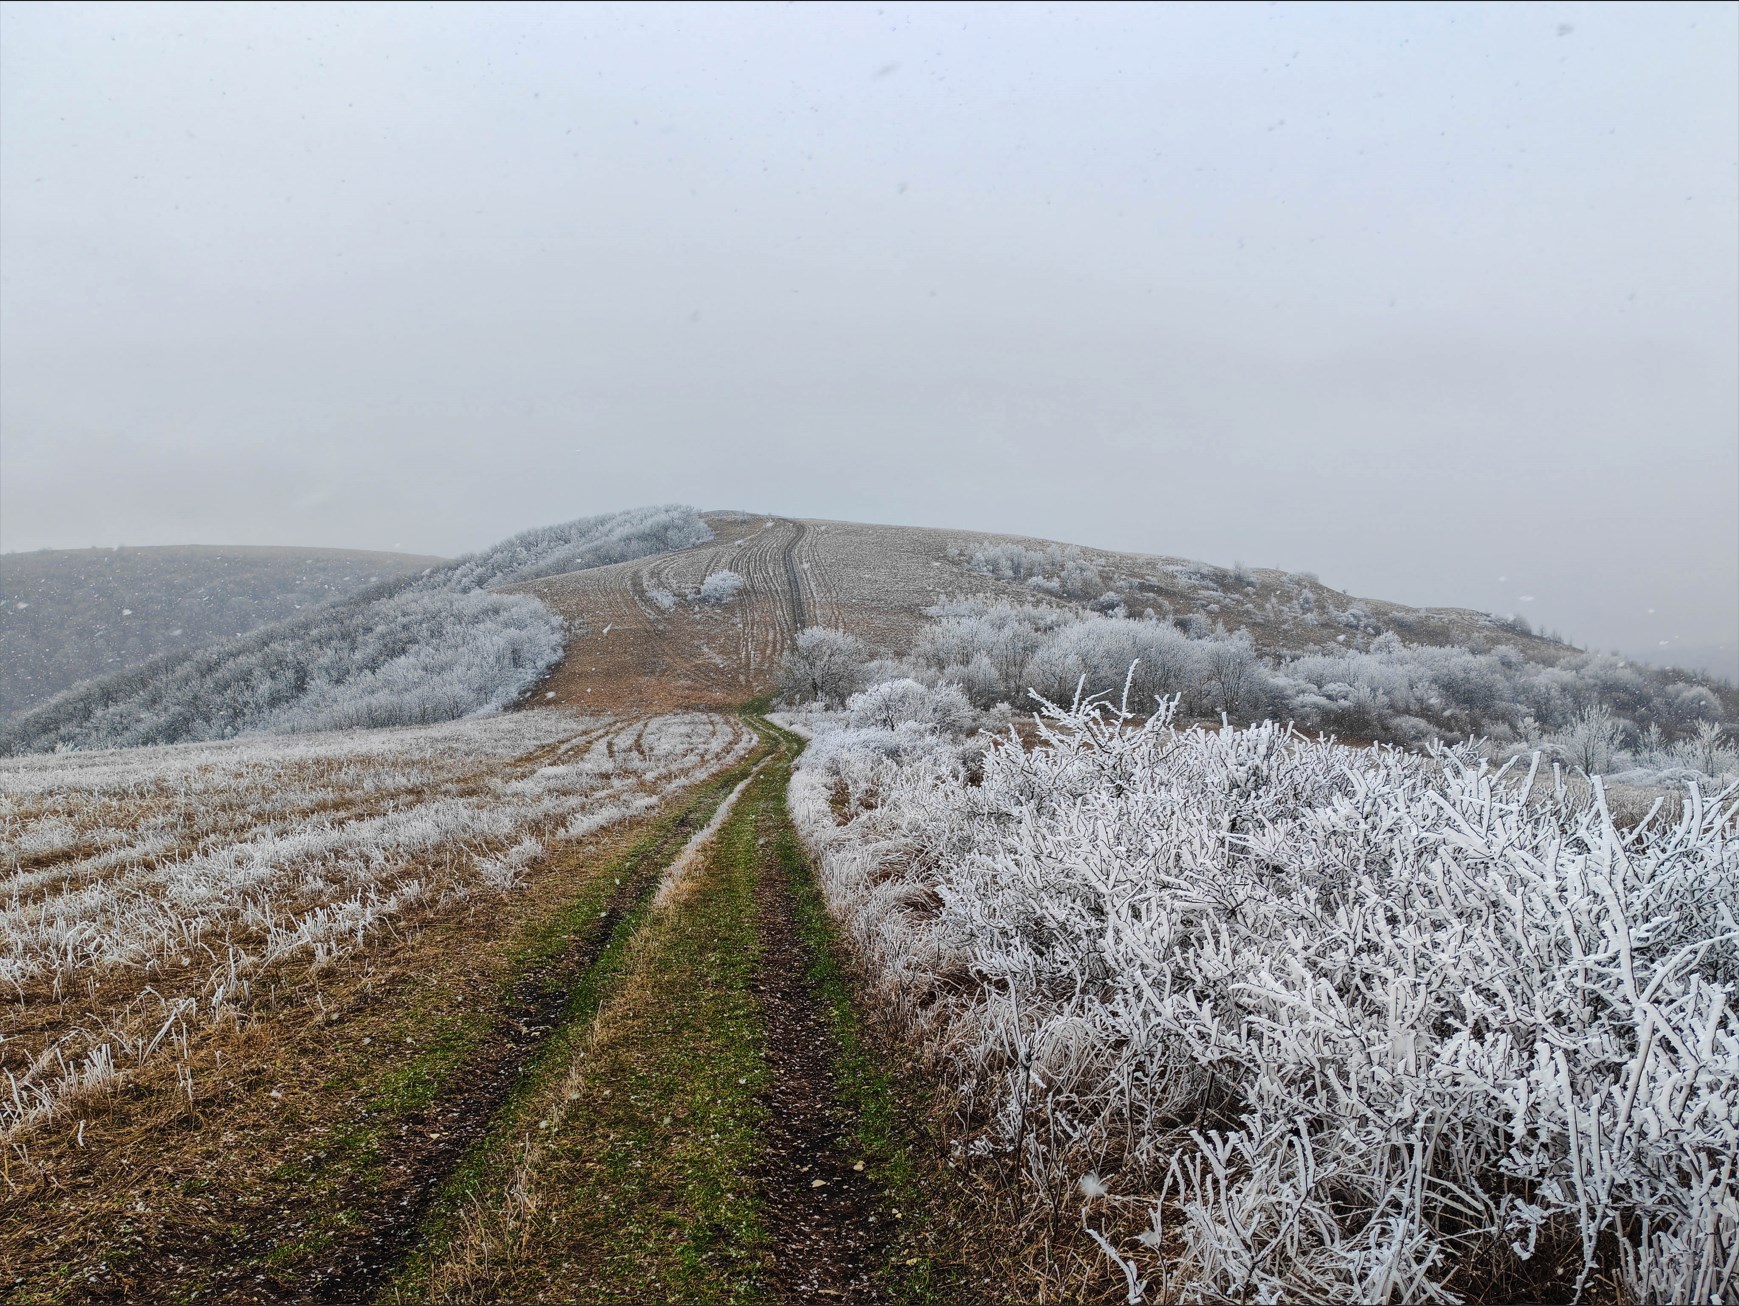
pixel 486 1163
pixel 644 1182
pixel 419 1048
pixel 645 1185
pixel 654 1163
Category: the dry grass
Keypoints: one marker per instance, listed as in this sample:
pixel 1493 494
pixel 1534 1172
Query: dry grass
pixel 151 892
pixel 275 1149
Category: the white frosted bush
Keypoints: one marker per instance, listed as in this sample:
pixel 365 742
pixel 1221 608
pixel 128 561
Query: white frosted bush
pixel 1591 710
pixel 893 703
pixel 1342 1023
pixel 721 587
pixel 826 666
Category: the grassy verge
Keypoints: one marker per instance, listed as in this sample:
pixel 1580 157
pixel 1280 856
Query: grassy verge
pixel 934 1256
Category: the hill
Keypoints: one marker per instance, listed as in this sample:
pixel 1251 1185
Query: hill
pixel 432 646
pixel 640 634
pixel 984 619
pixel 68 615
pixel 665 609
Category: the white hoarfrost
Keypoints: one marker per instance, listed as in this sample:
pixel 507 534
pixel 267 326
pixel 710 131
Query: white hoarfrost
pixel 156 883
pixel 1316 1022
pixel 721 587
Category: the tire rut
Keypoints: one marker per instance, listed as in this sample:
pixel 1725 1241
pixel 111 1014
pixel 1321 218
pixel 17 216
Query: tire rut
pixel 799 618
pixel 431 1143
pixel 820 1210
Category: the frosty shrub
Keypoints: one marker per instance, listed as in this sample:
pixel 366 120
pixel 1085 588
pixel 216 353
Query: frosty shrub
pixel 1318 1023
pixel 721 587
pixel 1389 690
pixel 427 648
pixel 1591 740
pixel 896 702
pixel 1055 570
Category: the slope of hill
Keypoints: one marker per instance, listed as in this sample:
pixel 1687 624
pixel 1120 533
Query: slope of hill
pixel 640 634
pixel 68 615
pixel 429 647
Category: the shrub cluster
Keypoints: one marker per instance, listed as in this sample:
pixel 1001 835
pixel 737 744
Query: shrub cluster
pixel 1291 1021
pixel 1591 710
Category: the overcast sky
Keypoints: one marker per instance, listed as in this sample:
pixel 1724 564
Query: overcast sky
pixel 1439 301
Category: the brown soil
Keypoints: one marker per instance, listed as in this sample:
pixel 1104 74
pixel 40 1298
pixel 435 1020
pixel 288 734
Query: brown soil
pixel 821 1214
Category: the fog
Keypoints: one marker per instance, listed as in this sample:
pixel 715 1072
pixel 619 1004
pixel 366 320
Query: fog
pixel 1438 301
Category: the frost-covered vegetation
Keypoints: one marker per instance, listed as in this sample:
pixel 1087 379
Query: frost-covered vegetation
pixel 1288 1020
pixel 1594 711
pixel 721 587
pixel 1293 605
pixel 426 648
pixel 147 892
pixel 1053 569
pixel 68 615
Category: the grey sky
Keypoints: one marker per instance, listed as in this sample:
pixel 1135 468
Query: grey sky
pixel 1440 301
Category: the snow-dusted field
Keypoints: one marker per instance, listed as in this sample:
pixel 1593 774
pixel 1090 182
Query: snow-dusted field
pixel 144 889
pixel 1289 1020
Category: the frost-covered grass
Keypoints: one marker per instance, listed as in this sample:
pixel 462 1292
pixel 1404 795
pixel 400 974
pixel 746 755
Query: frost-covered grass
pixel 1286 1020
pixel 146 890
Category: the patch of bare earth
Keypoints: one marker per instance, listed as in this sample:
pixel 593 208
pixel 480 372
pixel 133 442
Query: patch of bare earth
pixel 826 1229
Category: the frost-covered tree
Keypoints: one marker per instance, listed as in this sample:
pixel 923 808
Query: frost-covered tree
pixel 1707 751
pixel 1232 674
pixel 826 666
pixel 893 703
pixel 1592 740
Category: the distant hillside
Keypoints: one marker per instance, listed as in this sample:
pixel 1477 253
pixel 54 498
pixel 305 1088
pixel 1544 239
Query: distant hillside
pixel 629 646
pixel 994 616
pixel 433 645
pixel 67 615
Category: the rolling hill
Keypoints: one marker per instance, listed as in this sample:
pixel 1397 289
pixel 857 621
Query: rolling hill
pixel 664 609
pixel 68 615
pixel 637 639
